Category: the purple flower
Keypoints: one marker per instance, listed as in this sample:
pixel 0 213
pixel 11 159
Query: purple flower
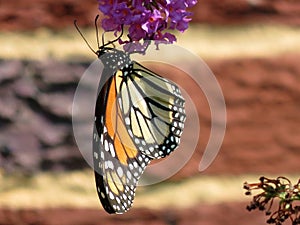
pixel 136 32
pixel 190 3
pixel 146 20
pixel 152 24
pixel 121 13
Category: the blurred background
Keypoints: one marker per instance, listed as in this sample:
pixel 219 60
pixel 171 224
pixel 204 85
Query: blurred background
pixel 252 47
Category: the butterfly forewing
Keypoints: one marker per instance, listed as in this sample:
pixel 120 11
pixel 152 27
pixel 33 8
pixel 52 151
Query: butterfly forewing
pixel 153 109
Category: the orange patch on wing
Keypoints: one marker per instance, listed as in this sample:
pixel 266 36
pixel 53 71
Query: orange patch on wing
pixel 124 152
pixel 111 109
pixel 123 144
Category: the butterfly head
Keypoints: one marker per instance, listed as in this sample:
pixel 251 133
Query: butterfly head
pixel 111 57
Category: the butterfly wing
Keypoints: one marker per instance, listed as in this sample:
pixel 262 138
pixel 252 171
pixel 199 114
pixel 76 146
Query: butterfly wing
pixel 118 164
pixel 153 109
pixel 139 116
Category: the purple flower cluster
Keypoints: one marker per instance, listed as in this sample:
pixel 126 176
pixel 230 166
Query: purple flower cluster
pixel 146 20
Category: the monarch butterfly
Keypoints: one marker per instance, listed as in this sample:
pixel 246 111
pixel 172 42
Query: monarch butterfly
pixel 139 116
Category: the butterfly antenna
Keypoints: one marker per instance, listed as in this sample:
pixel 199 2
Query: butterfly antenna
pixel 112 42
pixel 103 38
pixel 77 28
pixel 122 31
pixel 97 32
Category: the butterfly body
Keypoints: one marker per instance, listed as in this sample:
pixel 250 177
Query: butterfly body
pixel 139 116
